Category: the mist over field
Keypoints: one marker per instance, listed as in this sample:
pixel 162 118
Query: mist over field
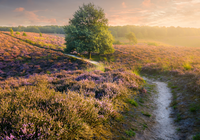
pixel 100 69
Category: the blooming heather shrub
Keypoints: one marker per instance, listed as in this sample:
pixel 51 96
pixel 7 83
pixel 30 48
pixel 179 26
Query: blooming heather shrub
pixel 33 112
pixel 33 108
pixel 45 41
pixel 18 58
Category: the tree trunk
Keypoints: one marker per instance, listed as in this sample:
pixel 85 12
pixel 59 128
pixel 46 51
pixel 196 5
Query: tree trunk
pixel 89 54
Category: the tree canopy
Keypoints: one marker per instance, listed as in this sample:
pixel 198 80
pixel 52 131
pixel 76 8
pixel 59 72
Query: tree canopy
pixel 88 31
pixel 131 37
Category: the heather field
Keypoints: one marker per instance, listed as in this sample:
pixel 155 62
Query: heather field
pixel 186 41
pixel 45 94
pixel 179 66
pixel 22 59
pixel 45 40
pixel 72 100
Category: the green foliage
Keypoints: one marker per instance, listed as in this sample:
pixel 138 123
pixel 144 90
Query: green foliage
pixel 30 41
pixel 24 34
pixel 146 114
pixel 152 44
pixel 40 34
pixel 133 102
pixel 131 37
pixel 17 33
pixel 130 133
pixel 88 31
pixel 196 137
pixel 187 66
pixel 194 107
pixel 11 31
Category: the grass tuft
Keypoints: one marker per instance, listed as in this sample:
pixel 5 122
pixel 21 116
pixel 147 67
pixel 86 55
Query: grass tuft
pixel 133 102
pixel 130 133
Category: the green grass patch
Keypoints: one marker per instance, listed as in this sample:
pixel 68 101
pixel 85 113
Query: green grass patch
pixel 178 118
pixel 133 102
pixel 141 100
pixel 194 108
pixel 173 87
pixel 130 133
pixel 196 137
pixel 146 114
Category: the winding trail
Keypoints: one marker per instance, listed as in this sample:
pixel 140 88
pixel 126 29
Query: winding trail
pixel 83 59
pixel 164 128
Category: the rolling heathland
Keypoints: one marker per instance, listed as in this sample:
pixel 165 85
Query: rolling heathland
pixel 179 66
pixel 47 95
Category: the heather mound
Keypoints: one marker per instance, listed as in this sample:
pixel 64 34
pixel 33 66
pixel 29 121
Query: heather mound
pixel 65 105
pixel 21 59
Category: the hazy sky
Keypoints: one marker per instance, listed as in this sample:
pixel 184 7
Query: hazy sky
pixel 184 13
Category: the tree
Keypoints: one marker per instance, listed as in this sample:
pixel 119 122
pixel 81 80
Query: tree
pixel 88 31
pixel 131 37
pixel 11 31
pixel 24 34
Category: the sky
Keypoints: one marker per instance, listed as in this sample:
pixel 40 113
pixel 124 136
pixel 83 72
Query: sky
pixel 183 13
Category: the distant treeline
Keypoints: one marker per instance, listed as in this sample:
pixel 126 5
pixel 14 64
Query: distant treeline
pixel 118 31
pixel 148 31
pixel 36 29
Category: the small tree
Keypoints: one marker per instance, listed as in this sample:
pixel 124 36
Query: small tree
pixel 17 33
pixel 11 31
pixel 40 34
pixel 131 37
pixel 24 34
pixel 88 31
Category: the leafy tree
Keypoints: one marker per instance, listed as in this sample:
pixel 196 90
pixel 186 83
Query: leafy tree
pixel 131 37
pixel 24 34
pixel 40 34
pixel 88 31
pixel 11 31
pixel 17 33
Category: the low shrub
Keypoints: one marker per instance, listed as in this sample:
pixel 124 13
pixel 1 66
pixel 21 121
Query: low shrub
pixel 24 34
pixel 187 66
pixel 152 44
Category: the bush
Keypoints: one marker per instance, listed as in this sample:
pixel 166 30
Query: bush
pixel 17 33
pixel 24 34
pixel 40 34
pixel 11 31
pixel 152 44
pixel 187 66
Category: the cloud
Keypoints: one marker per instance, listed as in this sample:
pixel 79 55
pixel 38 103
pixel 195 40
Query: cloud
pixel 31 16
pixel 52 21
pixel 20 9
pixel 124 5
pixel 146 3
